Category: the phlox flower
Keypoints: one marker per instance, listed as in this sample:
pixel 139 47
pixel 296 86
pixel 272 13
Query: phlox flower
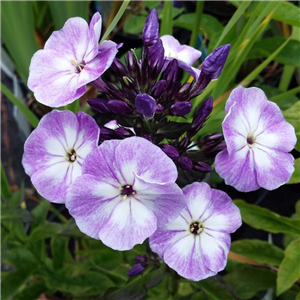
pixel 185 55
pixel 54 152
pixel 196 244
pixel 258 140
pixel 126 190
pixel 71 58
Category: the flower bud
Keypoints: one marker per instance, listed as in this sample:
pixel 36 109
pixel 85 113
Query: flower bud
pixel 202 167
pixel 137 269
pixel 170 151
pixel 214 63
pixel 145 105
pixel 100 105
pixel 181 108
pixel 159 109
pixel 185 163
pixel 118 67
pixel 159 88
pixel 118 107
pixel 150 33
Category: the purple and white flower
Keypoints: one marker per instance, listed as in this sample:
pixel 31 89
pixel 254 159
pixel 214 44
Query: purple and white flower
pixel 196 244
pixel 258 140
pixel 185 55
pixel 71 58
pixel 55 151
pixel 126 190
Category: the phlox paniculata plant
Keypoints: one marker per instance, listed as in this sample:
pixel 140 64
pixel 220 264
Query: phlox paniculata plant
pixel 126 181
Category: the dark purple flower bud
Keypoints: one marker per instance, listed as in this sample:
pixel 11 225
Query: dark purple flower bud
pixel 185 163
pixel 119 68
pixel 177 4
pixel 141 258
pixel 150 33
pixel 171 72
pixel 156 55
pixel 170 151
pixel 214 63
pixel 159 88
pixel 137 269
pixel 212 137
pixel 202 167
pixel 159 109
pixel 100 105
pixel 118 107
pixel 145 105
pixel 147 137
pixel 201 115
pixel 123 133
pixel 181 108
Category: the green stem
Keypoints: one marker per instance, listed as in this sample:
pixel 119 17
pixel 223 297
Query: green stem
pixel 115 20
pixel 198 17
pixel 287 94
pixel 5 188
pixel 167 19
pixel 58 214
pixel 74 106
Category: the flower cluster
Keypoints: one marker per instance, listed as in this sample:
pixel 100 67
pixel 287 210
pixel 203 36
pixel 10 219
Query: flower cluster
pixel 138 176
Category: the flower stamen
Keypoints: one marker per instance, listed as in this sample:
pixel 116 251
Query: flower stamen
pixel 71 155
pixel 196 228
pixel 127 191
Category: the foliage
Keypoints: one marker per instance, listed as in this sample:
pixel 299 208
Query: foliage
pixel 46 257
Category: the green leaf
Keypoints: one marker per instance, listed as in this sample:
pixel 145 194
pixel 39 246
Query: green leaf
pixel 292 115
pixel 259 251
pixel 62 10
pixel 18 34
pixel 167 19
pixel 32 119
pixel 138 287
pixel 247 281
pixel 88 283
pixel 5 188
pixel 13 214
pixel 262 218
pixel 298 209
pixel 289 269
pixel 134 25
pixel 40 211
pixel 217 289
pixel 288 56
pixel 173 130
pixel 209 25
pixel 116 19
pixel 48 230
pixel 31 292
pixel 59 248
pixel 25 263
pixel 288 13
pixel 296 175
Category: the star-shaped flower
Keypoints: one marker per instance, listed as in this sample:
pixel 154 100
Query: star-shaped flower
pixel 196 244
pixel 258 140
pixel 71 58
pixel 127 189
pixel 55 151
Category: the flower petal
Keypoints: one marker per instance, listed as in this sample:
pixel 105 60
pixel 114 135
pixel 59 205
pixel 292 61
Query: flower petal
pixel 223 215
pixel 198 196
pixel 185 257
pixel 273 168
pixel 129 224
pixel 214 251
pixel 238 169
pixel 144 159
pixel 276 132
pixel 91 202
pixel 101 163
pixel 52 78
pixel 95 26
pixel 74 40
pixel 165 200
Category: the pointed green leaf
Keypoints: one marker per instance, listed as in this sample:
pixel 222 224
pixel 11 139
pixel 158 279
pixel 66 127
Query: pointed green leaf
pixel 289 269
pixel 292 115
pixel 247 281
pixel 259 251
pixel 262 218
